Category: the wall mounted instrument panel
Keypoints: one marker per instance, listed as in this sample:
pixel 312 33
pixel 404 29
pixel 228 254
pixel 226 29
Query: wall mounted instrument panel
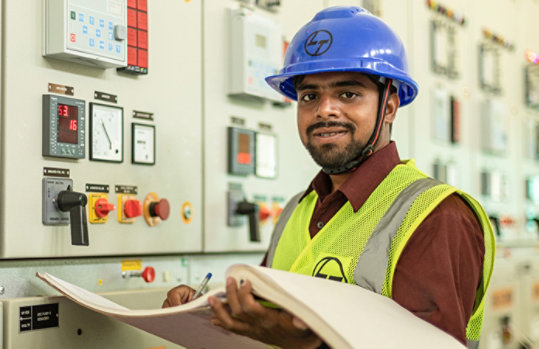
pixel 66 137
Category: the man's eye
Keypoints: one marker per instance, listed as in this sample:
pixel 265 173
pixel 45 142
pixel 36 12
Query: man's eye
pixel 348 94
pixel 308 97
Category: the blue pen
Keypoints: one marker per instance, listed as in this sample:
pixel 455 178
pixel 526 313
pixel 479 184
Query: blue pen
pixel 202 285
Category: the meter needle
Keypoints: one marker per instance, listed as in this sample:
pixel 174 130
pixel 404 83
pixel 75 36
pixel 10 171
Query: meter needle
pixel 106 134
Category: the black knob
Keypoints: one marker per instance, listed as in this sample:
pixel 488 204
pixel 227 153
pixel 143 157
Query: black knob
pixel 74 203
pixel 251 210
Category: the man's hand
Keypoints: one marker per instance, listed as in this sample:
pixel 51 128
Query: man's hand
pixel 178 295
pixel 245 316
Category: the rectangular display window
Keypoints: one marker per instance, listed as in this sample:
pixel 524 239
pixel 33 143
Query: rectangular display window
pixel 532 86
pixel 489 68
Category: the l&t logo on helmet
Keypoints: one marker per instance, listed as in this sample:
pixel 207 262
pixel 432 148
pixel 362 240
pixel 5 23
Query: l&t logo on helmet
pixel 318 43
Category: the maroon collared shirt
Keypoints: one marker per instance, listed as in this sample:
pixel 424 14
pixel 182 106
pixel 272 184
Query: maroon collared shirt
pixel 440 268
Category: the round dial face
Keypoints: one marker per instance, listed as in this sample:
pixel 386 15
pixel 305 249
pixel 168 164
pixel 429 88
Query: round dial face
pixel 106 133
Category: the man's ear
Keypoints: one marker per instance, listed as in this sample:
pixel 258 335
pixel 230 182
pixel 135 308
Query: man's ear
pixel 391 110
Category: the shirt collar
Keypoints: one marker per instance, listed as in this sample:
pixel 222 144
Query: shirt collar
pixel 359 186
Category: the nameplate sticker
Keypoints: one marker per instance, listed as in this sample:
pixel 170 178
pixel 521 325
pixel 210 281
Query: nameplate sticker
pixel 36 317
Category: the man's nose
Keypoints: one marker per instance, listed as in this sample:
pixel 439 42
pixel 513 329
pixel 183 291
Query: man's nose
pixel 327 107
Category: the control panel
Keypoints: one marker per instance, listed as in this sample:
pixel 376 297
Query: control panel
pixel 91 32
pixel 115 163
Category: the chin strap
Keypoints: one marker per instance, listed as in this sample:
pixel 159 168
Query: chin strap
pixel 368 150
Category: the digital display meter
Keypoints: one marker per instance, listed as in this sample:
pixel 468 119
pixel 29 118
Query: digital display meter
pixel 63 127
pixel 68 116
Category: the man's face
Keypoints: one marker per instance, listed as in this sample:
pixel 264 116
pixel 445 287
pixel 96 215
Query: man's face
pixel 336 115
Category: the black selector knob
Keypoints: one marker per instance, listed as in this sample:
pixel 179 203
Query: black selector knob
pixel 251 210
pixel 75 203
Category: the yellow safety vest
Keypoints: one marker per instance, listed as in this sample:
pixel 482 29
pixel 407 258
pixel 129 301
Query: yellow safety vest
pixel 353 247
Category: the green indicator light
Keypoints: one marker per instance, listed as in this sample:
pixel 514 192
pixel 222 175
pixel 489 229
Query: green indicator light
pixel 73 15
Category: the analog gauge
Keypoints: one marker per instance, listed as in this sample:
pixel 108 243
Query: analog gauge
pixel 106 133
pixel 143 146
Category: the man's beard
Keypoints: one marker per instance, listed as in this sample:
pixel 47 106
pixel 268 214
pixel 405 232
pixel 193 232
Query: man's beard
pixel 329 156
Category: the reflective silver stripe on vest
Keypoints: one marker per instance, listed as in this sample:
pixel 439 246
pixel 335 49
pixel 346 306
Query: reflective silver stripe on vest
pixel 370 271
pixel 279 226
pixel 472 344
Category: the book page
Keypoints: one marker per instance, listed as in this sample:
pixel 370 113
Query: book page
pixel 82 294
pixel 344 315
pixel 187 325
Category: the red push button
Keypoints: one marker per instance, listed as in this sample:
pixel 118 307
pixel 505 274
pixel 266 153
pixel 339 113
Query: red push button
pixel 132 208
pixel 103 207
pixel 160 209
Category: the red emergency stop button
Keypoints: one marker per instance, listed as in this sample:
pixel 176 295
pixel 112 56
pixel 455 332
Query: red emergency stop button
pixel 160 209
pixel 132 208
pixel 148 274
pixel 103 207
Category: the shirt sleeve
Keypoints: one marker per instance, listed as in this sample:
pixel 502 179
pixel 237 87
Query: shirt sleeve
pixel 440 268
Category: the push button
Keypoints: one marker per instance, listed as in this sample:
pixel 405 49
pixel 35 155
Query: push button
pixel 160 209
pixel 129 207
pixel 132 208
pixel 155 209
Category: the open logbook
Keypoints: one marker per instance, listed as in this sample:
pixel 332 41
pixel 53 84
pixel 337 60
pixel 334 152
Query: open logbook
pixel 343 315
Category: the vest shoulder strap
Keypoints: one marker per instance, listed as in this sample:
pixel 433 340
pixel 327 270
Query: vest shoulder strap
pixel 279 226
pixel 371 268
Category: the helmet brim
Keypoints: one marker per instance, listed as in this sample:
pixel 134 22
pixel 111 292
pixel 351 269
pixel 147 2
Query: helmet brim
pixel 282 83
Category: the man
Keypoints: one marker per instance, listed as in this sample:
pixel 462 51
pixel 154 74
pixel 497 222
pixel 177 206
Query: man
pixel 367 218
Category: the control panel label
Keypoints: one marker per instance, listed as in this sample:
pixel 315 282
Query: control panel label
pixel 97 188
pixel 126 189
pixel 107 97
pixel 142 115
pixel 36 317
pixel 56 172
pixel 61 89
pixel 128 265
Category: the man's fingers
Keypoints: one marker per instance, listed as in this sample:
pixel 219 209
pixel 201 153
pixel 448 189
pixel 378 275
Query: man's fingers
pixel 174 297
pixel 232 297
pixel 223 318
pixel 249 304
pixel 178 295
pixel 299 324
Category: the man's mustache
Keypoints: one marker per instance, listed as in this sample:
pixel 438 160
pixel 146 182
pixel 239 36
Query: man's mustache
pixel 348 126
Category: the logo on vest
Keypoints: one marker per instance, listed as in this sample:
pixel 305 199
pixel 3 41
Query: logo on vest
pixel 330 268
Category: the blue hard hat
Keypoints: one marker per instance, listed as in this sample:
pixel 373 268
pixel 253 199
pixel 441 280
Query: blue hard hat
pixel 346 39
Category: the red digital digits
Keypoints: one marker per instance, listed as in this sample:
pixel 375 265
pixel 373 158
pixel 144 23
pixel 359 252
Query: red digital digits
pixel 63 110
